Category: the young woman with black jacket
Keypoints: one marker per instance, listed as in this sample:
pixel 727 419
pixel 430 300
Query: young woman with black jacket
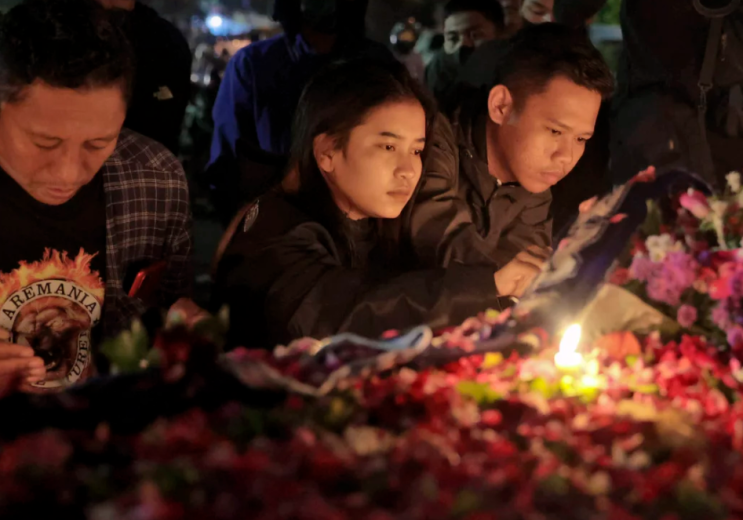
pixel 321 254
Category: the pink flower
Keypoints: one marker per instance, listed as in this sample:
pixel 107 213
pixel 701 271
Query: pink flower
pixel 620 276
pixel 647 175
pixel 735 337
pixel 643 268
pixel 686 316
pixel 491 417
pixel 679 272
pixel 696 203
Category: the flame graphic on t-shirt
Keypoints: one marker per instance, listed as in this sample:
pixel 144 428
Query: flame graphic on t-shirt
pixel 52 306
pixel 54 265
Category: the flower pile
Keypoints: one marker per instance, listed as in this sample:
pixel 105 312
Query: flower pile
pixel 649 426
pixel 692 267
pixel 646 430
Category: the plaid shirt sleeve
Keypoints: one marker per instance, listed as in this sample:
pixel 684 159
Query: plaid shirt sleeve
pixel 148 219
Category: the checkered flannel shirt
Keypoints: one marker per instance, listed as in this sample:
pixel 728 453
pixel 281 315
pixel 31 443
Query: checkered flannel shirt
pixel 148 219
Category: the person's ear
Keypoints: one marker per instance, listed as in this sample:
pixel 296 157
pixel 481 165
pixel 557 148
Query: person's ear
pixel 324 151
pixel 500 104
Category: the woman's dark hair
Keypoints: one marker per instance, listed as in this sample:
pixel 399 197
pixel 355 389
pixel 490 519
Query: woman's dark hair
pixel 337 100
pixel 64 43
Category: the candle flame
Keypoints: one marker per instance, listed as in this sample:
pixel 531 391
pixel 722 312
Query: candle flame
pixel 571 338
pixel 567 358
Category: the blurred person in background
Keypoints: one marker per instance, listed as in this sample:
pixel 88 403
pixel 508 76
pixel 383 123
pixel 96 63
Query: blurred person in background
pixel 162 87
pixel 679 100
pixel 261 88
pixel 534 12
pixel 512 12
pixel 403 38
pixel 467 25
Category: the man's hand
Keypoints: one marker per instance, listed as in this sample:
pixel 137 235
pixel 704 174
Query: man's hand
pixel 519 273
pixel 19 369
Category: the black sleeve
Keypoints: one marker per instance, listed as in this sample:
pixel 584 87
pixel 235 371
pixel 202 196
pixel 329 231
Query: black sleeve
pixel 307 292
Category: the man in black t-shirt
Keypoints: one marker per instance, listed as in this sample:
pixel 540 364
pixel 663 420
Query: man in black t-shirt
pixel 82 203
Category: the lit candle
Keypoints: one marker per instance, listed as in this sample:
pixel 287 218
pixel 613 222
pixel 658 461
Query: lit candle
pixel 567 358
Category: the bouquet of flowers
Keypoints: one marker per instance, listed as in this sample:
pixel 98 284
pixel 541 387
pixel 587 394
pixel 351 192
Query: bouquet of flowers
pixel 691 268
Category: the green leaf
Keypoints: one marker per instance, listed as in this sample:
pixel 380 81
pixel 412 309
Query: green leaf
pixel 555 485
pixel 694 503
pixel 175 479
pixel 429 488
pixel 646 389
pixel 214 329
pixel 563 451
pixel 336 415
pixel 654 220
pixel 128 352
pixel 467 501
pixel 544 387
pixel 480 392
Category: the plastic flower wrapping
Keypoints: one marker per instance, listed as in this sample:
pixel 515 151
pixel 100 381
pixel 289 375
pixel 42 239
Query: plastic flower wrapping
pixel 613 390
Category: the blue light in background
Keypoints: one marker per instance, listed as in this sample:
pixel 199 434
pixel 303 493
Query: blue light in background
pixel 214 21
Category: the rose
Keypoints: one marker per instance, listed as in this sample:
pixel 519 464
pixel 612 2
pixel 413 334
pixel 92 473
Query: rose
pixel 686 316
pixel 696 203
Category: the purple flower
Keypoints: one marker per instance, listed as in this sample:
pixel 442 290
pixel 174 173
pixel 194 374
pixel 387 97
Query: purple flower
pixel 682 267
pixel 686 316
pixel 643 268
pixel 721 315
pixel 735 283
pixel 678 273
pixel 661 289
pixel 705 257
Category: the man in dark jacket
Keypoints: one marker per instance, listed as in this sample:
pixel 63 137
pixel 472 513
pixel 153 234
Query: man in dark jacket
pixel 162 86
pixel 260 90
pixel 468 24
pixel 485 193
pixel 659 102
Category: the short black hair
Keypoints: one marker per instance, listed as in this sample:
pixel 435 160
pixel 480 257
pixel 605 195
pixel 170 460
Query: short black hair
pixel 64 43
pixel 490 9
pixel 537 54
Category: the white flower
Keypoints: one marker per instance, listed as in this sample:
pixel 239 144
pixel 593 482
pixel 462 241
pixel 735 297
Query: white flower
pixel 719 207
pixel 718 212
pixel 660 245
pixel 733 179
